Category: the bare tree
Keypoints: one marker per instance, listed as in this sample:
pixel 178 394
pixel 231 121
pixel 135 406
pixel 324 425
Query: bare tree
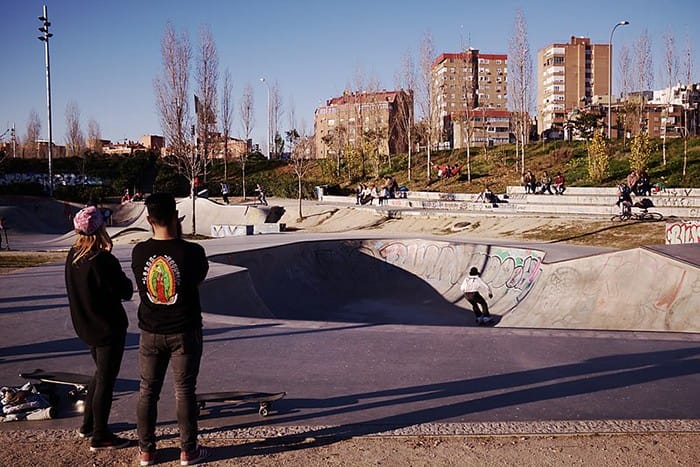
pixel 687 69
pixel 426 94
pixel 275 117
pixel 671 69
pixel 207 77
pixel 406 81
pixel 94 136
pixel 172 89
pixel 520 82
pixel 226 116
pixel 625 86
pixel 643 70
pixel 247 113
pixel 171 98
pixel 688 78
pixel 302 159
pixel 75 141
pixel 33 131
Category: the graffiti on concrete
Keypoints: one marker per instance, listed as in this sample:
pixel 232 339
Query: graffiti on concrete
pixel 509 271
pixel 682 232
pixel 630 290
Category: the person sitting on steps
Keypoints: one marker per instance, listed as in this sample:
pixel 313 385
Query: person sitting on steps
pixel 546 182
pixel 558 185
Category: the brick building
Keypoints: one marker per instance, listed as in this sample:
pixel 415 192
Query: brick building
pixel 462 82
pixel 568 76
pixel 348 119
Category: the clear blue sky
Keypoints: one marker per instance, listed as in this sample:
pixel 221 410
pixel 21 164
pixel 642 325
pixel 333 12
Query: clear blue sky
pixel 105 54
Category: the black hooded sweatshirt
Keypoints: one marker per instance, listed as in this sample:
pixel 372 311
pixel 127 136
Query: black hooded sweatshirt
pixel 96 286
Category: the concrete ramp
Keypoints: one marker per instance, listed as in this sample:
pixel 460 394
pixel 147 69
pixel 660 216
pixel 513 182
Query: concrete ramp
pixel 372 281
pixel 34 214
pixel 416 281
pixel 209 213
pixel 635 289
pixel 132 216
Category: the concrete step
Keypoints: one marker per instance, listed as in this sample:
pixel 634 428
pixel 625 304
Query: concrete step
pixel 611 191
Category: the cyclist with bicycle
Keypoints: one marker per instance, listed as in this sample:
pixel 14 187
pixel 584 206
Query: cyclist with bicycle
pixel 624 199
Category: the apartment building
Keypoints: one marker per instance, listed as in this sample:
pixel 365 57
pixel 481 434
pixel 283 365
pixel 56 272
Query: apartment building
pixel 481 127
pixel 461 82
pixel 344 120
pixel 235 147
pixel 154 143
pixel 568 76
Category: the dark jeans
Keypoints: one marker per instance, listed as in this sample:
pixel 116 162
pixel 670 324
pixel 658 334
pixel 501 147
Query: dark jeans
pixel 155 352
pixel 98 402
pixel 478 303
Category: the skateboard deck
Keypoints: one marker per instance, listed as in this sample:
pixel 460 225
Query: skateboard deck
pixel 78 381
pixel 263 399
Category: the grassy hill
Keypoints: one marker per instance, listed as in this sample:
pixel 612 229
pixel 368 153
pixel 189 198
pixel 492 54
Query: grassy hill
pixel 498 167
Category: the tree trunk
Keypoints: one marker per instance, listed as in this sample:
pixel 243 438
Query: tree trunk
pixel 301 215
pixel 243 179
pixel 409 154
pixel 194 201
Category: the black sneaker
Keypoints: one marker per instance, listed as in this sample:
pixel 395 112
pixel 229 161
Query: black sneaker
pixel 85 432
pixel 113 442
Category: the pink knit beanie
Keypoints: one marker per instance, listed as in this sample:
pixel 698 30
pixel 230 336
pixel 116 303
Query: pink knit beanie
pixel 88 220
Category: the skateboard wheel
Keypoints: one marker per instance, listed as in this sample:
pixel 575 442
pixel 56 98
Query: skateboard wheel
pixel 264 410
pixel 201 405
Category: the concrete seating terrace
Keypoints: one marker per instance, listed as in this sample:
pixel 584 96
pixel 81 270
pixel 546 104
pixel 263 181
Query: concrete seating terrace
pixel 681 203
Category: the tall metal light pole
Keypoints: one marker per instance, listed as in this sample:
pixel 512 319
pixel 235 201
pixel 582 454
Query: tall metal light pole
pixel 45 39
pixel 262 80
pixel 621 23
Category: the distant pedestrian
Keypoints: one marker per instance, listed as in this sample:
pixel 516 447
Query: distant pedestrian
pixel 471 287
pixel 261 194
pixel 224 191
pixel 96 285
pixel 3 230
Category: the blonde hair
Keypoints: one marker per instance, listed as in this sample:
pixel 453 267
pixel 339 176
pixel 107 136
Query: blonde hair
pixel 91 244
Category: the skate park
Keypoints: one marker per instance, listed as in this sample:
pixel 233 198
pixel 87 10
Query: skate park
pixel 368 334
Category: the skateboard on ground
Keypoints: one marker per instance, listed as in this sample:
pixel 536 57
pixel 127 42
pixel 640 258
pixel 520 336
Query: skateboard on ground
pixel 263 399
pixel 49 379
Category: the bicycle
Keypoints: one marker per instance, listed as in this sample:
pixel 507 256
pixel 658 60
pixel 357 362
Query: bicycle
pixel 642 215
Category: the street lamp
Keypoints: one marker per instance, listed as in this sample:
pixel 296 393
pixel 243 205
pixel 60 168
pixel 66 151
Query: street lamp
pixel 45 39
pixel 262 80
pixel 621 23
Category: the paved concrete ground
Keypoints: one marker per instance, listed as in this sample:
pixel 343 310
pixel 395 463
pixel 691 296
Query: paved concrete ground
pixel 361 378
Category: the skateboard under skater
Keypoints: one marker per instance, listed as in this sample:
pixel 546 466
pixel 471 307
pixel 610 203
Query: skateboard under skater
pixel 263 399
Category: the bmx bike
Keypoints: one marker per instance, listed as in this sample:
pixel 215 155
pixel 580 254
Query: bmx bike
pixel 640 214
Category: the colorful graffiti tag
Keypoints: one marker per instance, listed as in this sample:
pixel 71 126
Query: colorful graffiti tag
pixel 683 232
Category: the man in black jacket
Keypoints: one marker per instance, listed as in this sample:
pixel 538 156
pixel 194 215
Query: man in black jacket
pixel 168 272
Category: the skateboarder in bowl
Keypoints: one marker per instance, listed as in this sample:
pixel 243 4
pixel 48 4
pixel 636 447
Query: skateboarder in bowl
pixel 96 285
pixel 168 272
pixel 471 288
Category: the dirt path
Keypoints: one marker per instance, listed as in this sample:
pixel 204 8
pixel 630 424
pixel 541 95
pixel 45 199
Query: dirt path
pixel 656 449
